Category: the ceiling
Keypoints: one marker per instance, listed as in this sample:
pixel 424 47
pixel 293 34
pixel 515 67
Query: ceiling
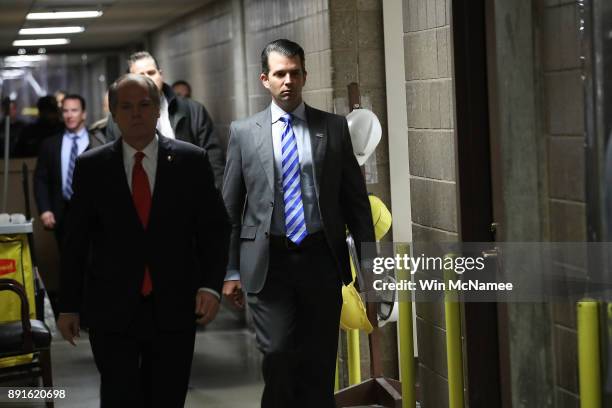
pixel 123 22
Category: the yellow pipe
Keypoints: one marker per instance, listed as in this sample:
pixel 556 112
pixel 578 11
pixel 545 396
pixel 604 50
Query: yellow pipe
pixel 588 354
pixel 406 340
pixel 354 361
pixel 454 351
pixel 337 381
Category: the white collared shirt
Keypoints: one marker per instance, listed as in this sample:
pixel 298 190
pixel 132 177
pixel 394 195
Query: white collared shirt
pixel 163 123
pixel 149 161
pixel 82 143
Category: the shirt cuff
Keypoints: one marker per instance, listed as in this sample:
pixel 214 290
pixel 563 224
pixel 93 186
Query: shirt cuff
pixel 232 274
pixel 209 290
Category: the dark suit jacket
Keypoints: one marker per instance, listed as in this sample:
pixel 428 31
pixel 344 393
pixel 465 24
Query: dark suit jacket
pixel 48 174
pixel 191 123
pixel 248 191
pixel 184 245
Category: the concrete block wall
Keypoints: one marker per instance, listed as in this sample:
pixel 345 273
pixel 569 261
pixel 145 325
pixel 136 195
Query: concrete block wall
pixel 217 49
pixel 433 188
pixel 305 22
pixel 200 49
pixel 357 55
pixel 563 107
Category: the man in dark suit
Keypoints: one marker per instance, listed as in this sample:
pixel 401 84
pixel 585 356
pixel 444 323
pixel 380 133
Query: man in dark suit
pixel 55 164
pixel 180 118
pixel 146 213
pixel 292 186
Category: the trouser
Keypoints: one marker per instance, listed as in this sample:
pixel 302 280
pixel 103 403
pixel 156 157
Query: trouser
pixel 145 366
pixel 296 318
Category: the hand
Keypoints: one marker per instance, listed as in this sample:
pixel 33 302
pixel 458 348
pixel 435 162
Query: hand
pixel 69 325
pixel 207 306
pixel 48 219
pixel 232 290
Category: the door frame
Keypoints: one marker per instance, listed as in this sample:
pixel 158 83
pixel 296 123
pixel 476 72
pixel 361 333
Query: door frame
pixel 484 325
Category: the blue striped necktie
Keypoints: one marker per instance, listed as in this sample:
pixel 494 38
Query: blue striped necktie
pixel 295 224
pixel 74 150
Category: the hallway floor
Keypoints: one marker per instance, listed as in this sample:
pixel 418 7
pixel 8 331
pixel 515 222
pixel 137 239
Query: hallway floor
pixel 225 371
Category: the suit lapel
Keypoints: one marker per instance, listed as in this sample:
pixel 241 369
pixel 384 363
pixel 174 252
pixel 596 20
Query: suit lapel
pixel 165 156
pixel 318 142
pixel 263 142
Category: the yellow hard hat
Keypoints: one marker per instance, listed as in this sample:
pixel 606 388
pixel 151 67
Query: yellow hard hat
pixel 381 217
pixel 353 314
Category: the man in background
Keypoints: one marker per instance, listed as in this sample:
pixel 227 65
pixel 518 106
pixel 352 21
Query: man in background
pixel 179 118
pixel 182 88
pixel 55 165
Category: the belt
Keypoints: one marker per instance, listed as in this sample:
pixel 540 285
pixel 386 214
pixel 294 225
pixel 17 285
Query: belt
pixel 284 243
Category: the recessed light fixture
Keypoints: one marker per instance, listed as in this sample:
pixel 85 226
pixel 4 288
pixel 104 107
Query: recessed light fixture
pixel 40 42
pixel 51 30
pixel 55 15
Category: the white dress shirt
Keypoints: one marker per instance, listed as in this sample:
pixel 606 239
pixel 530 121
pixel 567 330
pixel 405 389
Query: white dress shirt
pixel 82 143
pixel 163 123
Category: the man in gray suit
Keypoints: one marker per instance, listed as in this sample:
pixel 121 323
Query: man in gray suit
pixel 292 186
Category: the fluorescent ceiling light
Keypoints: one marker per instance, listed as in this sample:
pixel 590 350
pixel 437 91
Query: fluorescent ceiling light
pixel 41 41
pixel 54 15
pixel 25 58
pixel 16 64
pixel 51 30
pixel 12 73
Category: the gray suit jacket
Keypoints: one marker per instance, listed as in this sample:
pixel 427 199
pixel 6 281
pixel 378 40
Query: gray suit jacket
pixel 248 192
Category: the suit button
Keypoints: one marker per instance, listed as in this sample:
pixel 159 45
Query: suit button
pixel 271 203
pixel 267 234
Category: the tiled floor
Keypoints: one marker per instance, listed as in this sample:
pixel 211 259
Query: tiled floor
pixel 225 373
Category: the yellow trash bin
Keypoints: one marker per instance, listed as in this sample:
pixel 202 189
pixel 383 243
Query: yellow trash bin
pixel 15 263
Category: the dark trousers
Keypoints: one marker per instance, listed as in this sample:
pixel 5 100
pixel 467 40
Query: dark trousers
pixel 296 318
pixel 145 366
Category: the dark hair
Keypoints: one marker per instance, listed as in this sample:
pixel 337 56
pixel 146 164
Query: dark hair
pixel 140 79
pixel 182 82
pixel 139 55
pixel 74 96
pixel 47 104
pixel 282 46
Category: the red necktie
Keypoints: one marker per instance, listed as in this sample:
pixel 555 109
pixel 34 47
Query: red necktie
pixel 141 194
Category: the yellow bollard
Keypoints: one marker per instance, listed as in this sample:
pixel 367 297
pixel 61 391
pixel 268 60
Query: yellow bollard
pixel 354 360
pixel 588 353
pixel 454 351
pixel 406 342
